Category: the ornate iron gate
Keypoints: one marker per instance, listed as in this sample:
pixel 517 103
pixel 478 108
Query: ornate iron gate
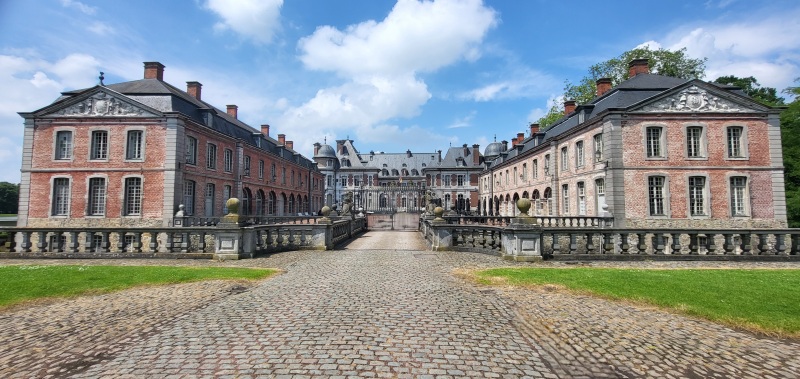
pixel 393 206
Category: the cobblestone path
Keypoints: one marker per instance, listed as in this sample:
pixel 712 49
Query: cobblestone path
pixel 373 313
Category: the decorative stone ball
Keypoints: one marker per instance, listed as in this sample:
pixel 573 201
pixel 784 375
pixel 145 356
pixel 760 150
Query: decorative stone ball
pixel 326 211
pixel 438 212
pixel 524 205
pixel 233 205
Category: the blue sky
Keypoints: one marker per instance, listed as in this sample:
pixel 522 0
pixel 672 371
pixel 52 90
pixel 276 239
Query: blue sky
pixel 390 75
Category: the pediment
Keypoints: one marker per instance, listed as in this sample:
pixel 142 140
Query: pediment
pixel 99 102
pixel 698 98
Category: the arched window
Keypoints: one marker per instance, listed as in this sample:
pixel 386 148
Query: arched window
pixel 271 203
pixel 259 203
pixel 247 197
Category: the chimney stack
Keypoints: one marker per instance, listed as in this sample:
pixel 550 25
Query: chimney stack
pixel 281 139
pixel 290 145
pixel 316 148
pixel 476 154
pixel 569 107
pixel 514 142
pixel 194 89
pixel 534 129
pixel 233 111
pixel 638 66
pixel 603 86
pixel 505 145
pixel 520 137
pixel 265 129
pixel 153 70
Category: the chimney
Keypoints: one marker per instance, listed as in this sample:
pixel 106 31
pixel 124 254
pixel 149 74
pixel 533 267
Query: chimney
pixel 316 147
pixel 520 137
pixel 476 154
pixel 233 111
pixel 440 155
pixel 281 139
pixel 569 107
pixel 505 145
pixel 290 145
pixel 638 66
pixel 153 70
pixel 339 146
pixel 534 129
pixel 514 142
pixel 194 89
pixel 603 86
pixel 265 129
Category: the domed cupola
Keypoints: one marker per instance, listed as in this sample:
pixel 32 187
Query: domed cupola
pixel 325 151
pixel 493 150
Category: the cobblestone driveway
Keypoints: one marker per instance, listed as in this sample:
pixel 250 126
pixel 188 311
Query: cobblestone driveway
pixel 371 313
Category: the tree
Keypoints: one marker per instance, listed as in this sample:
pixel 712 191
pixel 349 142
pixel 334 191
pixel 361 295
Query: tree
pixel 662 62
pixel 750 86
pixel 790 139
pixel 9 197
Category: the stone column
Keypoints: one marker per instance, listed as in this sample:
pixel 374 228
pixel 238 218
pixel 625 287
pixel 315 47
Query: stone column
pixel 522 239
pixel 442 234
pixel 231 241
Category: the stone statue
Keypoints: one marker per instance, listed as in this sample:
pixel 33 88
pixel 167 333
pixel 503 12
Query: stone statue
pixel 348 204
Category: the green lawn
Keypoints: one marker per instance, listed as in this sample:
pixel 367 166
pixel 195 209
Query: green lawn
pixel 762 300
pixel 21 283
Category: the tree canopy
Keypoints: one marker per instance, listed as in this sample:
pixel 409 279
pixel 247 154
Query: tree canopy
pixel 790 139
pixel 750 86
pixel 9 198
pixel 662 62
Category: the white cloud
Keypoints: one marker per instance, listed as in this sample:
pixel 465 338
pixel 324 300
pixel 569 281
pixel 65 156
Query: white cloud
pixel 762 46
pixel 537 113
pixel 463 122
pixel 379 62
pixel 90 10
pixel 416 36
pixel 257 20
pixel 101 28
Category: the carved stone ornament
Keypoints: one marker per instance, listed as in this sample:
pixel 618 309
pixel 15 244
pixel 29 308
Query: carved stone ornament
pixel 101 104
pixel 694 99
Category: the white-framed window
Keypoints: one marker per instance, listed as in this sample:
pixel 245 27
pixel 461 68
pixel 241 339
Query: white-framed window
pixel 188 197
pixel 63 145
pixel 343 180
pixel 515 175
pixel 132 204
pixel 695 142
pixel 656 195
pixel 260 169
pixel 460 180
pixel 535 169
pixel 524 172
pixel 740 196
pixel 369 180
pixel 329 180
pixel 357 180
pixel 226 195
pixel 209 199
pixel 191 150
pixel 446 181
pixel 246 165
pixel 579 156
pixel 581 199
pixel 564 159
pixel 547 165
pixel 61 196
pixel 598 147
pixel 134 150
pixel 654 141
pixel 736 139
pixel 274 172
pixel 99 150
pixel 565 198
pixel 697 196
pixel 211 156
pixel 97 197
pixel 291 178
pixel 228 160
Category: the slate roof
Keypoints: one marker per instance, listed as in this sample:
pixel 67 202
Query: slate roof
pixel 626 94
pixel 165 97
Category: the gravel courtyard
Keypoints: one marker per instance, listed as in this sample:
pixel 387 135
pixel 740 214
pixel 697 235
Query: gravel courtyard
pixel 380 307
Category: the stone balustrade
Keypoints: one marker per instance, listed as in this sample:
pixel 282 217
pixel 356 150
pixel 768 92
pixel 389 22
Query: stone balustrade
pixel 531 238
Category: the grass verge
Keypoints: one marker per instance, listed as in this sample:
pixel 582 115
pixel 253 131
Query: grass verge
pixel 23 283
pixel 765 301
